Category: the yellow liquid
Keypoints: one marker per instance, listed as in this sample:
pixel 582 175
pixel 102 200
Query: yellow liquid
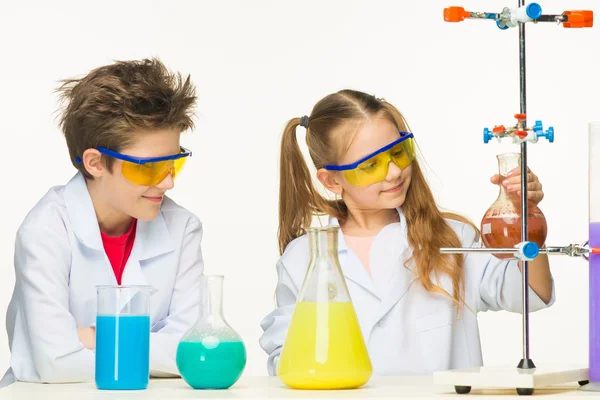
pixel 324 348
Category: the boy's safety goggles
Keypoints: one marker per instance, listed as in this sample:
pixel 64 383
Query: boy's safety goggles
pixel 148 171
pixel 374 167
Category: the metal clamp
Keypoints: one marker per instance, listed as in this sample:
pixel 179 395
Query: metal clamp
pixel 528 250
pixel 519 132
pixel 572 250
pixel 512 17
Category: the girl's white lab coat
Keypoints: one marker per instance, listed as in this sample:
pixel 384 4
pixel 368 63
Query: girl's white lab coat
pixel 408 331
pixel 60 258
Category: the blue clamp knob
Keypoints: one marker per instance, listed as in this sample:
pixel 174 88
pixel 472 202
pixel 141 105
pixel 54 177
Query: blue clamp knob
pixel 550 134
pixel 533 10
pixel 487 135
pixel 503 28
pixel 527 251
pixel 539 131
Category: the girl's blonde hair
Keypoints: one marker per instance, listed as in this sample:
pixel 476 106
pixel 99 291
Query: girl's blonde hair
pixel 299 199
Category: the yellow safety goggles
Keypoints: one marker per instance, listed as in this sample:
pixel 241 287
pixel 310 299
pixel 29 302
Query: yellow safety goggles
pixel 374 167
pixel 148 171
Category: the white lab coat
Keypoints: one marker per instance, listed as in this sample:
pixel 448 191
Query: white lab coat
pixel 408 331
pixel 60 258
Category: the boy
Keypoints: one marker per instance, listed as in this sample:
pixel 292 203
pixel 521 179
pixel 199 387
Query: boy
pixel 111 224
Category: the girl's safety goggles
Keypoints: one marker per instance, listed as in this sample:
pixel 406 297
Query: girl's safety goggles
pixel 148 171
pixel 374 167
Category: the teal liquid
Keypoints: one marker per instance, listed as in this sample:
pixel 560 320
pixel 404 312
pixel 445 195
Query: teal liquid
pixel 216 367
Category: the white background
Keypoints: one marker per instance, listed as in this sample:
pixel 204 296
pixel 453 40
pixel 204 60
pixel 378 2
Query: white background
pixel 257 64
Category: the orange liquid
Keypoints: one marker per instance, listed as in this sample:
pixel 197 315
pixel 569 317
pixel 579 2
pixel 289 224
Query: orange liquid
pixel 504 230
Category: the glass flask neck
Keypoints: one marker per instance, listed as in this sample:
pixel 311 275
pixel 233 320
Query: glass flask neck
pixel 211 298
pixel 506 163
pixel 323 242
pixel 324 281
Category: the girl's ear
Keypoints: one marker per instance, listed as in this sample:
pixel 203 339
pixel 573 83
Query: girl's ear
pixel 330 179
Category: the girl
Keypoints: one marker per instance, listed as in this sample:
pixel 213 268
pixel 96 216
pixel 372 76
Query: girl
pixel 405 293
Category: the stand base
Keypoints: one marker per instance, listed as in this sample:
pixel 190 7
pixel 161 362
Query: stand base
pixel 523 380
pixel 590 386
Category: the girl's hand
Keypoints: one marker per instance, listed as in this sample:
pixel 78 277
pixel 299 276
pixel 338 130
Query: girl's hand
pixel 512 183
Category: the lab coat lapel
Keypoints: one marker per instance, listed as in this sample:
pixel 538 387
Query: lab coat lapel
pixel 82 214
pixel 152 237
pixel 152 240
pixel 389 251
pixel 82 217
pixel 351 267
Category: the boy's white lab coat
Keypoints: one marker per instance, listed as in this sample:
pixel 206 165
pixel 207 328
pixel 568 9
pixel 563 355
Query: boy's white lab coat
pixel 407 330
pixel 60 258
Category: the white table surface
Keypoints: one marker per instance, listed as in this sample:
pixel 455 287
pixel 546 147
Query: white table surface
pixel 272 388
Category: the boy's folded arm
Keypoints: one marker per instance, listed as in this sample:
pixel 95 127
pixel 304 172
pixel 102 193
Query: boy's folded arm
pixel 42 260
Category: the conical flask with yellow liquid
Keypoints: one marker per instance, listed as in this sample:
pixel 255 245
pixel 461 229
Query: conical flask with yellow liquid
pixel 324 347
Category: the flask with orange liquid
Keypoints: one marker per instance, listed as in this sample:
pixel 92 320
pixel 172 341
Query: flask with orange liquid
pixel 324 347
pixel 501 224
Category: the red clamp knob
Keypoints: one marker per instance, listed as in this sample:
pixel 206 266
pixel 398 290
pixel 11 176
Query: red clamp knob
pixel 521 134
pixel 455 14
pixel 521 117
pixel 499 129
pixel 579 19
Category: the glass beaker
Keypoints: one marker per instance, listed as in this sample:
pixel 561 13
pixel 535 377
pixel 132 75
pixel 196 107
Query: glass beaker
pixel 324 347
pixel 123 337
pixel 594 258
pixel 211 355
pixel 501 224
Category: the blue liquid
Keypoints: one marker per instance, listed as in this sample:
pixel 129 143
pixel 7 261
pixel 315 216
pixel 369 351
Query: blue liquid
pixel 218 366
pixel 122 352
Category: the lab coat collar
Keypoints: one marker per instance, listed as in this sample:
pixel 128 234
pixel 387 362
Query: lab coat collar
pixel 342 246
pixel 354 271
pixel 152 237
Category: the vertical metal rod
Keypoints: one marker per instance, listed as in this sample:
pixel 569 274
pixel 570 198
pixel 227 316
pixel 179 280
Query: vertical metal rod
pixel 524 208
